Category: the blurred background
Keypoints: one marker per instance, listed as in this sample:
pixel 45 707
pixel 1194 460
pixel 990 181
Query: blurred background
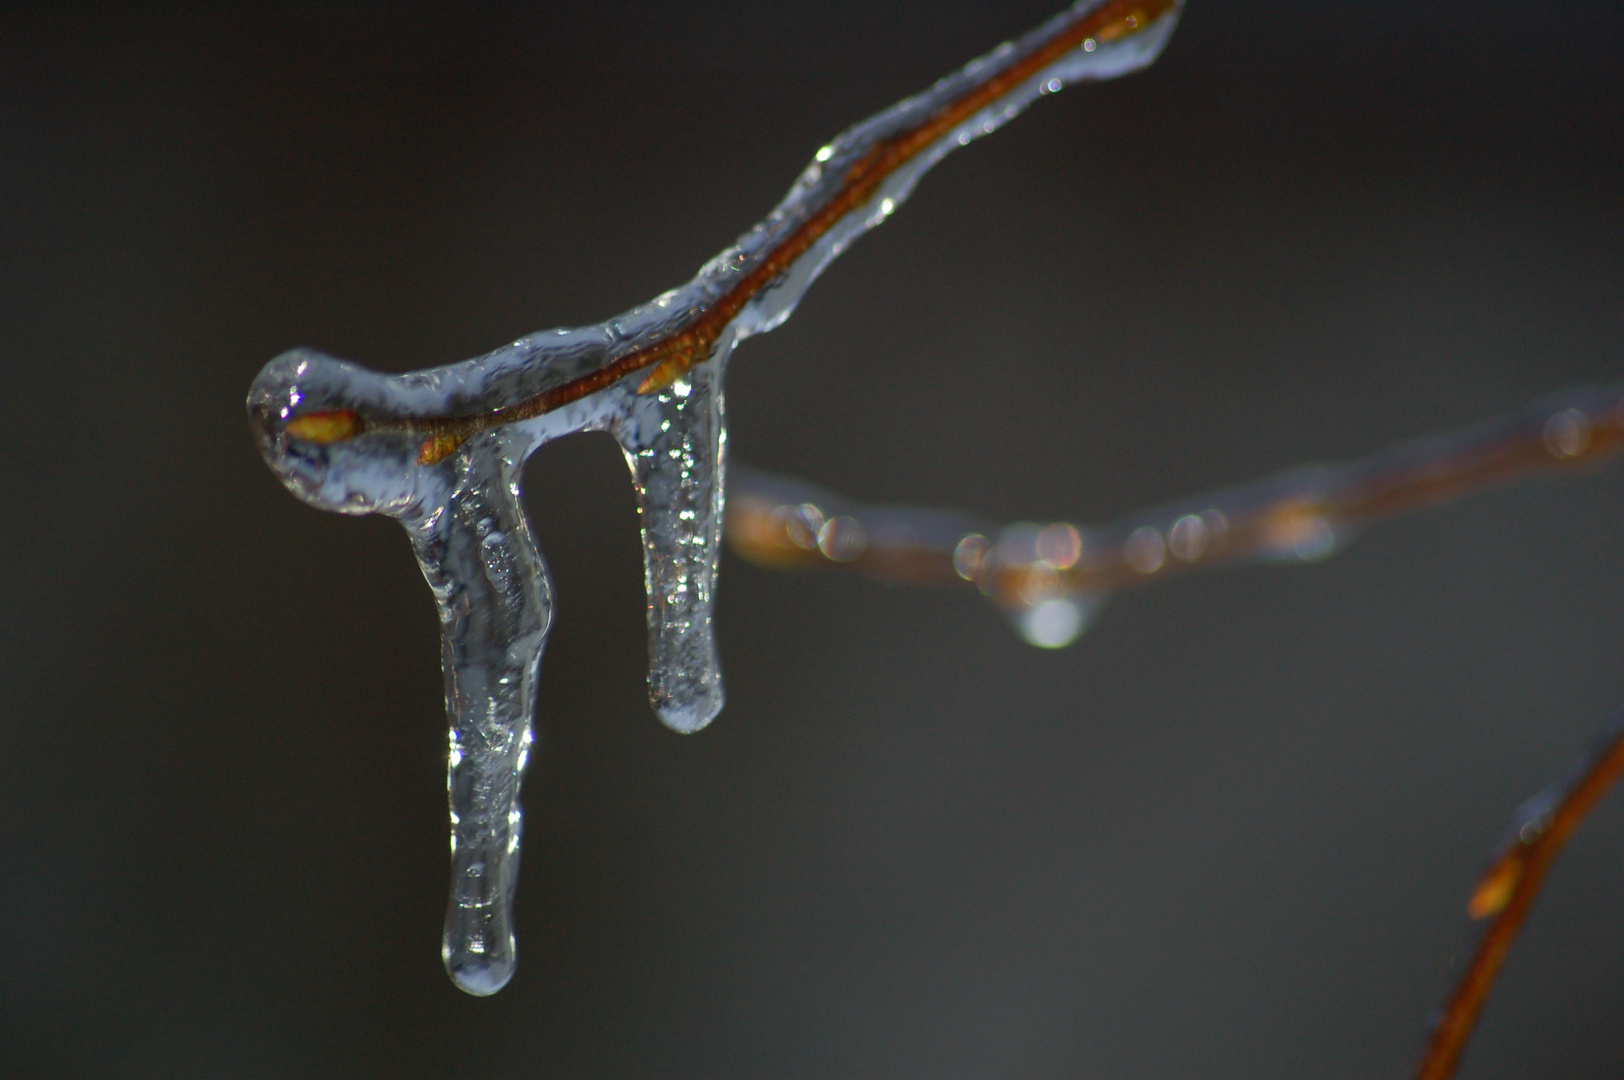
pixel 1229 833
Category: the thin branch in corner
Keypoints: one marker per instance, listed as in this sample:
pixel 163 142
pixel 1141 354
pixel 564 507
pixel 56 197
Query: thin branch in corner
pixel 1540 829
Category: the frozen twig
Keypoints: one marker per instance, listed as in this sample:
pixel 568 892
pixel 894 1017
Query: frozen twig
pixel 1539 830
pixel 852 184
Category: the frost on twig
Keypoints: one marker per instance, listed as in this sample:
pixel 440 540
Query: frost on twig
pixel 441 450
pixel 1050 578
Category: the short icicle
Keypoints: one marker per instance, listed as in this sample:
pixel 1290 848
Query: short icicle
pixel 674 441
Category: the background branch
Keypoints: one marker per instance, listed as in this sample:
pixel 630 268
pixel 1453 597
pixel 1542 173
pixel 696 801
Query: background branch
pixel 1303 514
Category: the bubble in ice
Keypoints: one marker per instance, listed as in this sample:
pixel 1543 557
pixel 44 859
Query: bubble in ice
pixel 442 450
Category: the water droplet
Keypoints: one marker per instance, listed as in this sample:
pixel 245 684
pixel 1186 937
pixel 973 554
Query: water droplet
pixel 1144 550
pixel 1187 539
pixel 1534 829
pixel 1060 546
pixel 1567 434
pixel 1055 623
pixel 842 539
pixel 800 524
pixel 970 556
pixel 1299 530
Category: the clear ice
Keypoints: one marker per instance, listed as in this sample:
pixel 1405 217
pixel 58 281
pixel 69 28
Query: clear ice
pixel 462 508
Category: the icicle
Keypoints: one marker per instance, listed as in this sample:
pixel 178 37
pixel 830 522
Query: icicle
pixel 674 441
pixel 495 605
pixel 490 585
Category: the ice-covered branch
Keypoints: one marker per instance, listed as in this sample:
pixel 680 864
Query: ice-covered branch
pixel 1051 577
pixel 441 450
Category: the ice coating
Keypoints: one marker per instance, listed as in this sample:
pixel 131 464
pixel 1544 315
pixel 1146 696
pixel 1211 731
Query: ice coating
pixel 441 450
pixel 821 181
pixel 495 603
pixel 674 442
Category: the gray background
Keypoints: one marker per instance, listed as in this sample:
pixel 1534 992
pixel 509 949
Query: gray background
pixel 1229 833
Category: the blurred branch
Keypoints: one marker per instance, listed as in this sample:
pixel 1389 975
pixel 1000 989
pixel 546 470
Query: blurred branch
pixel 1304 514
pixel 1539 830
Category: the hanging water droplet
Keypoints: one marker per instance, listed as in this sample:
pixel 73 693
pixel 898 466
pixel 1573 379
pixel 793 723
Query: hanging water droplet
pixel 801 525
pixel 1316 540
pixel 1059 546
pixel 1056 623
pixel 1300 530
pixel 1040 584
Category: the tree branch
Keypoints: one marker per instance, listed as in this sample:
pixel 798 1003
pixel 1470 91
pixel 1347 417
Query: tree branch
pixel 1539 830
pixel 1304 514
pixel 693 338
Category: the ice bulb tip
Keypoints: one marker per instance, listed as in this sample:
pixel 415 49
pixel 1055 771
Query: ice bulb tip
pixel 480 980
pixel 689 717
